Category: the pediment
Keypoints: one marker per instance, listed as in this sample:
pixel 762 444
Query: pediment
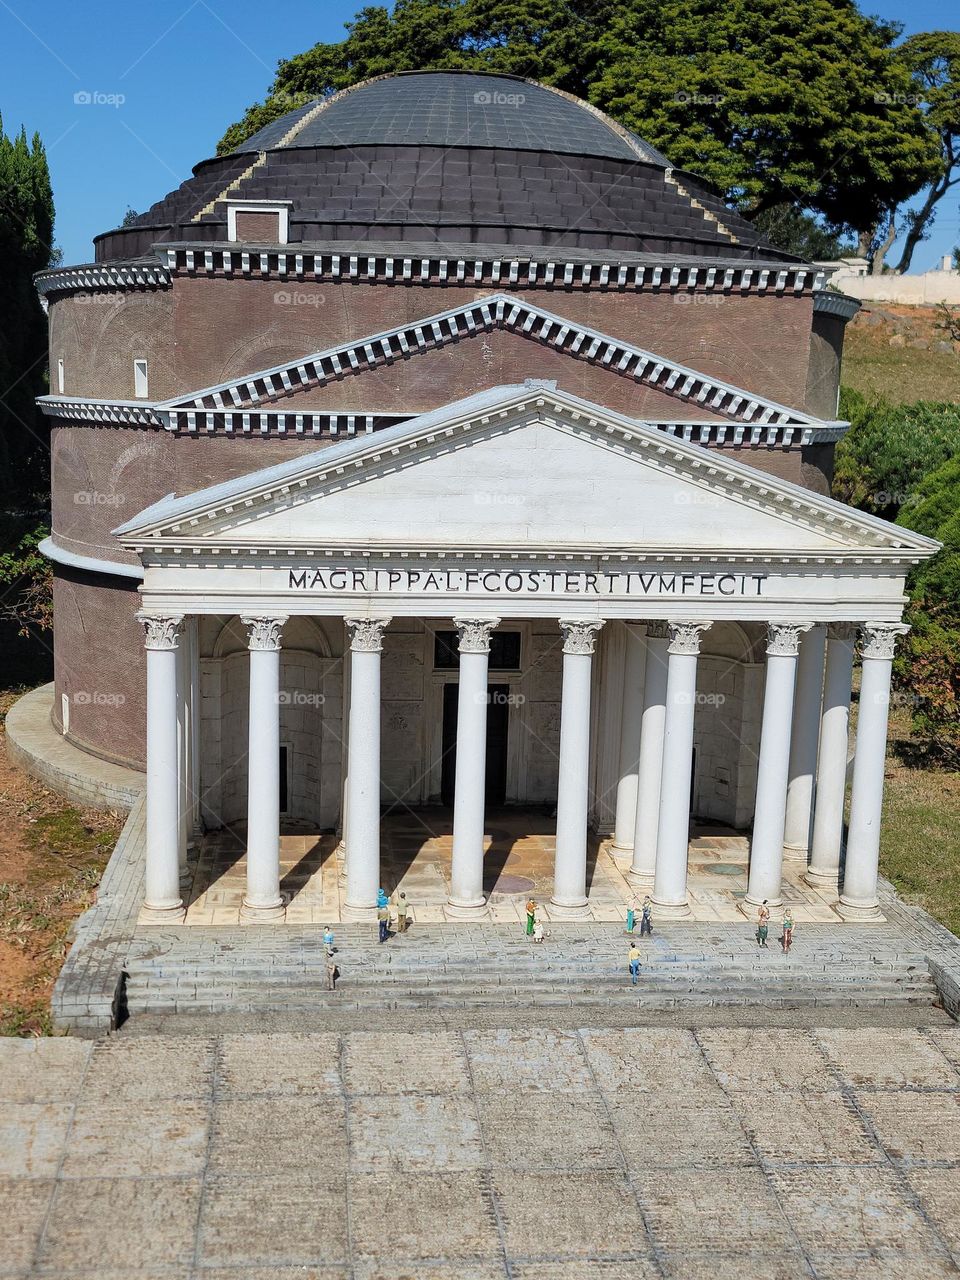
pixel 306 378
pixel 518 469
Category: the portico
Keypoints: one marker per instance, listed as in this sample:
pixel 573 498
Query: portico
pixel 676 613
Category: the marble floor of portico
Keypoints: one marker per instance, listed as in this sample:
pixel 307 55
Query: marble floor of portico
pixel 518 863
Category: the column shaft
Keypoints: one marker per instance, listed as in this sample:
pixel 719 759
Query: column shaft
pixel 859 900
pixel 803 748
pixel 162 874
pixel 630 726
pixel 363 767
pixel 824 869
pixel 651 756
pixel 766 846
pixel 466 869
pixel 570 866
pixel 262 900
pixel 670 876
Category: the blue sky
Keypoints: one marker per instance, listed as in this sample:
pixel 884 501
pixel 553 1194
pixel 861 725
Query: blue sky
pixel 171 75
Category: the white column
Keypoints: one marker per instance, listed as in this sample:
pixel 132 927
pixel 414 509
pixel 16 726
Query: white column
pixel 183 754
pixel 162 901
pixel 630 725
pixel 195 831
pixel 803 747
pixel 859 900
pixel 766 845
pixel 651 756
pixel 362 836
pixel 570 865
pixel 824 869
pixel 466 867
pixel 262 901
pixel 673 831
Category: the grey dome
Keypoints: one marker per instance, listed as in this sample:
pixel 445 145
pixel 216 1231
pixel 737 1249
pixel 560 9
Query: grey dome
pixel 454 109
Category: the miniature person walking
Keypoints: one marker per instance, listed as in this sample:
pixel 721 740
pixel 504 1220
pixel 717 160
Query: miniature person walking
pixel 763 924
pixel 633 963
pixel 786 940
pixel 383 921
pixel 403 906
pixel 531 916
pixel 646 917
pixel 332 972
pixel 328 940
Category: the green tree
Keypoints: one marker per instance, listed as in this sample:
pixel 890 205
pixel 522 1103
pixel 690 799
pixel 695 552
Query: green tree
pixel 797 102
pixel 928 665
pixel 26 231
pixel 889 449
pixel 933 60
pixel 799 233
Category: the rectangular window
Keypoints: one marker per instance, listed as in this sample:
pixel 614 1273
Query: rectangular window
pixel 141 383
pixel 60 376
pixel 504 651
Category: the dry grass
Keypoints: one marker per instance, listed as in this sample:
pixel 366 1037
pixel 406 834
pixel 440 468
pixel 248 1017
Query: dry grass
pixel 52 855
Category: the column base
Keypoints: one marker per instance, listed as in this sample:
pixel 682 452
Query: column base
pixel 349 912
pixel 750 906
pixel 340 852
pixel 186 877
pixel 269 913
pixel 858 913
pixel 670 910
pixel 795 852
pixel 642 879
pixel 172 913
pixel 825 881
pixel 569 910
pixel 465 910
pixel 620 852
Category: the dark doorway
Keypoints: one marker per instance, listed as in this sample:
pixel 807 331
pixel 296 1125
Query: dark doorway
pixel 498 717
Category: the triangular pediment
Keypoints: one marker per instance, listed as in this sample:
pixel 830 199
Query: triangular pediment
pixel 519 469
pixel 693 391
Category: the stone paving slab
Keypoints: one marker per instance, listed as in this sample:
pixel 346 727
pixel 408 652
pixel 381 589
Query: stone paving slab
pixel 569 1155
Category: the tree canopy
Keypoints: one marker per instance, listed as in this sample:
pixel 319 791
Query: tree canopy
pixel 26 231
pixel 775 102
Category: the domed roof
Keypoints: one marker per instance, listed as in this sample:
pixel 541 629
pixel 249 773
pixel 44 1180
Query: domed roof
pixel 460 159
pixel 454 109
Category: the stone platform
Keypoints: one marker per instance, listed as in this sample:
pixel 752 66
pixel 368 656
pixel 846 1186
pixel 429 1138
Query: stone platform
pixel 588 1154
pixel 518 862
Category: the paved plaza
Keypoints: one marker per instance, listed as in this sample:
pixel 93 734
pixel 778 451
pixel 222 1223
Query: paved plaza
pixel 519 853
pixel 561 1155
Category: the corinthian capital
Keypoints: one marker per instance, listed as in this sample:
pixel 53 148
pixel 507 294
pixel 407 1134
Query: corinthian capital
pixel 783 638
pixel 264 633
pixel 366 634
pixel 658 631
pixel 685 636
pixel 879 639
pixel 163 629
pixel 474 633
pixel 580 634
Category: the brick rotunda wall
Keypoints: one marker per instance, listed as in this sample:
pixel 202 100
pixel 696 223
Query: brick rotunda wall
pixel 203 331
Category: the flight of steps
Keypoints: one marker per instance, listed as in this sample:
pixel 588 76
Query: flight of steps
pixel 456 968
